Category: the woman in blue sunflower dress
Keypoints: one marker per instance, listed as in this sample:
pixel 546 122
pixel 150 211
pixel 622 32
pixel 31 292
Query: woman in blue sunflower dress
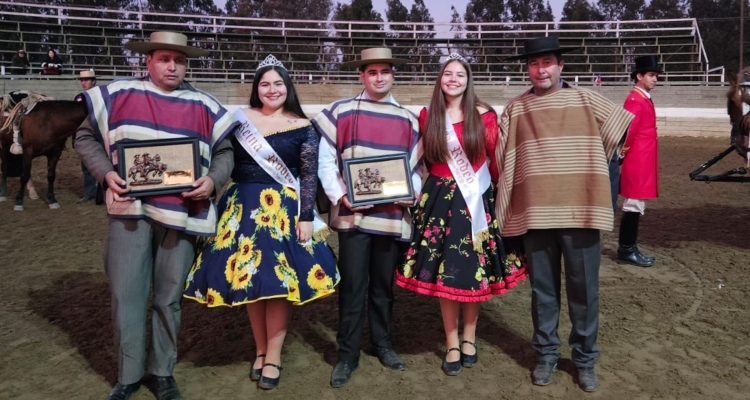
pixel 268 252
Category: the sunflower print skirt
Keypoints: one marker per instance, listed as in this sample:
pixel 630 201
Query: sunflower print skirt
pixel 255 254
pixel 441 261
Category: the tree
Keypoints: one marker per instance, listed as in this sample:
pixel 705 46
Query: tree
pixel 458 44
pixel 529 11
pixel 428 53
pixel 481 12
pixel 621 10
pixel 580 10
pixel 293 45
pixel 718 21
pixel 456 23
pixel 355 40
pixel 397 12
pixel 666 9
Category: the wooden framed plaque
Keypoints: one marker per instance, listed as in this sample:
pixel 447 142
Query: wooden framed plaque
pixel 379 179
pixel 162 166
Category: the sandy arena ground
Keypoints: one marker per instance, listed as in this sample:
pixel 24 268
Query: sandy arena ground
pixel 676 331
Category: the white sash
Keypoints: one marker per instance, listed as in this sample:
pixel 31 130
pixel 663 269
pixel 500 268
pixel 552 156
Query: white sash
pixel 472 185
pixel 256 145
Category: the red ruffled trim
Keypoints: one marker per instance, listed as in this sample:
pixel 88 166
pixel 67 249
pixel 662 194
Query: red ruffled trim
pixel 460 295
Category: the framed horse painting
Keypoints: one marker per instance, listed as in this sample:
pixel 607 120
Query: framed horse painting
pixel 379 179
pixel 162 166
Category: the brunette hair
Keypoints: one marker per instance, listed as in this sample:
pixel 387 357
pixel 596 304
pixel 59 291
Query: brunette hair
pixel 435 148
pixel 291 103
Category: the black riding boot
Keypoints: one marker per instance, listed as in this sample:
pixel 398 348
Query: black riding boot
pixel 628 251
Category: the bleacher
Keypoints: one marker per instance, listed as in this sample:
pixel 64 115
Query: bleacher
pixel 92 38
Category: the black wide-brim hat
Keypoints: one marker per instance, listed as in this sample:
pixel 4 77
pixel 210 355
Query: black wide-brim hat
pixel 646 64
pixel 541 45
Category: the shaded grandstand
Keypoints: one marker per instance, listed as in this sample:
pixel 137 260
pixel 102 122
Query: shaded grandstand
pixel 313 50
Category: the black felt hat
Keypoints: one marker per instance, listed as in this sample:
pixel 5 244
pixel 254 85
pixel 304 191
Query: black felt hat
pixel 541 45
pixel 646 64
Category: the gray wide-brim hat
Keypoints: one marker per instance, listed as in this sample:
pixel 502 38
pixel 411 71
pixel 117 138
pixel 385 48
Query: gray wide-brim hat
pixel 373 56
pixel 166 41
pixel 541 45
pixel 87 74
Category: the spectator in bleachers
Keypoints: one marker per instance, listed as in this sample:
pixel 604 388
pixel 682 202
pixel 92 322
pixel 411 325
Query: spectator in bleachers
pixel 20 64
pixel 52 64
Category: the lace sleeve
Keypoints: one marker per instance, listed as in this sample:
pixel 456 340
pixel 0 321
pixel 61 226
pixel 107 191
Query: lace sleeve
pixel 308 173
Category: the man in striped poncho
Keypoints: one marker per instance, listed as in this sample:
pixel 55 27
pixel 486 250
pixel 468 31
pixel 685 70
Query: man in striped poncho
pixel 151 238
pixel 370 237
pixel 554 189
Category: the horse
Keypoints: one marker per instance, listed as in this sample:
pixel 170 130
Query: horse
pixel 739 137
pixel 8 103
pixel 736 96
pixel 44 132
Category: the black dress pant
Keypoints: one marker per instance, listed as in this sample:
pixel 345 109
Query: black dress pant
pixel 581 251
pixel 367 265
pixel 614 180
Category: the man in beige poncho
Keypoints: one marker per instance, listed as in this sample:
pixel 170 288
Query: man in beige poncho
pixel 553 152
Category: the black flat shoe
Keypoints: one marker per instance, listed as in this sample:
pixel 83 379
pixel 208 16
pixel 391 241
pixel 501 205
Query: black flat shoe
pixel 469 360
pixel 123 392
pixel 390 359
pixel 451 368
pixel 269 383
pixel 164 387
pixel 342 373
pixel 256 372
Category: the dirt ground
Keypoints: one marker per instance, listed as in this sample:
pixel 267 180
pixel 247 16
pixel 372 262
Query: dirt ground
pixel 678 330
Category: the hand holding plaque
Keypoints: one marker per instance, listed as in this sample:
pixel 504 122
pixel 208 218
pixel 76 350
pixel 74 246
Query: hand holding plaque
pixel 164 166
pixel 377 180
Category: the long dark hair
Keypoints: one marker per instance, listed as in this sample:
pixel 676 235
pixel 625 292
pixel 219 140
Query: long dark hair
pixel 435 148
pixel 292 101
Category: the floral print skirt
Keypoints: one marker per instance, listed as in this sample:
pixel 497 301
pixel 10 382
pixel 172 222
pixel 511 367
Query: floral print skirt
pixel 441 260
pixel 255 254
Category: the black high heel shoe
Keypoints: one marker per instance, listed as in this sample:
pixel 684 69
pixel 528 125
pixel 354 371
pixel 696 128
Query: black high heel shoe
pixel 269 383
pixel 451 368
pixel 256 372
pixel 469 360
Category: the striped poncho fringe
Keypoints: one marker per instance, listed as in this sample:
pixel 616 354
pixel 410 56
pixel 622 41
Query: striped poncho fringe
pixel 136 109
pixel 367 128
pixel 553 156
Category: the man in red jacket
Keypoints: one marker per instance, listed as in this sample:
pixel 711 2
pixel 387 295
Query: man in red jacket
pixel 639 179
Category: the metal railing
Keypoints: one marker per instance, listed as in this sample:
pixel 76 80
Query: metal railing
pixel 92 38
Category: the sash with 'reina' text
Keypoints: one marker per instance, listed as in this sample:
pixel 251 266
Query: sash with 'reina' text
pixel 261 151
pixel 471 184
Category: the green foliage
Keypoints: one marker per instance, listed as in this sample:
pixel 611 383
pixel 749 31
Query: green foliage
pixel 621 10
pixel 529 11
pixel 666 9
pixel 358 10
pixel 718 21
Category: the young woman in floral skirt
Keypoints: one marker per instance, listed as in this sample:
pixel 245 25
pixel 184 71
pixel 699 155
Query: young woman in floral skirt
pixel 457 254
